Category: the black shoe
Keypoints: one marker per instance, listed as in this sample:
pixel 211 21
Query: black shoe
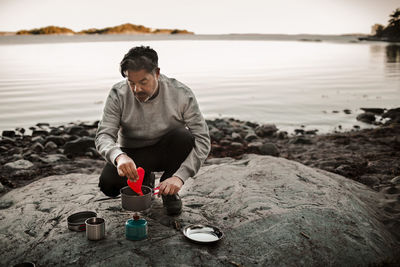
pixel 172 204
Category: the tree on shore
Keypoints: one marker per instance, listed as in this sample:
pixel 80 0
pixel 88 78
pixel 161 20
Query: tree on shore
pixel 392 30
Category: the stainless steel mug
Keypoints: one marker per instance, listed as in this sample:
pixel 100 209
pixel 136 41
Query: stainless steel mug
pixel 95 228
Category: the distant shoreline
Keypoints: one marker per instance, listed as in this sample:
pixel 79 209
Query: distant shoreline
pixel 127 28
pixel 63 38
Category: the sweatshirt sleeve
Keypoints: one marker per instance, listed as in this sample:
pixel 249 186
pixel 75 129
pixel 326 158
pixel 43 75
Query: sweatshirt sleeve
pixel 198 127
pixel 107 131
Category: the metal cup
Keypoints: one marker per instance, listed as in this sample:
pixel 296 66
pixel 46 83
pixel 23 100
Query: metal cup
pixel 95 228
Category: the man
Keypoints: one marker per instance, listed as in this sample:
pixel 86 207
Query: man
pixel 158 125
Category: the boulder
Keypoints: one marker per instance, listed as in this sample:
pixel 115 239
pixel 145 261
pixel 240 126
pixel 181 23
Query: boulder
pixel 8 134
pixel 78 146
pixel 39 133
pixel 50 145
pixel 216 134
pixel 377 111
pixel 37 147
pixel 7 141
pixel 250 136
pixel 366 117
pixel 393 114
pixel 395 180
pixel 38 139
pixel 273 212
pixel 56 131
pixel 58 140
pixel 266 130
pixel 254 146
pixel 53 158
pixel 42 124
pixel 236 137
pixel 224 142
pixel 269 149
pixel 236 145
pixel 19 165
pixel 300 140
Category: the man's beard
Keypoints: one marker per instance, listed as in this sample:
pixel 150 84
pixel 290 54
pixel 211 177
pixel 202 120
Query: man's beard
pixel 147 98
pixel 143 101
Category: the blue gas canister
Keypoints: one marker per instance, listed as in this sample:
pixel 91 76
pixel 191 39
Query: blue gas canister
pixel 136 229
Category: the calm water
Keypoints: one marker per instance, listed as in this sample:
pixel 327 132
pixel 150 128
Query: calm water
pixel 286 82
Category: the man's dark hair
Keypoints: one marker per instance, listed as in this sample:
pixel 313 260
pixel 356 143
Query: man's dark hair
pixel 139 58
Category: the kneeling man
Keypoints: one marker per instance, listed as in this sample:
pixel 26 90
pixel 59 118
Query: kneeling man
pixel 154 122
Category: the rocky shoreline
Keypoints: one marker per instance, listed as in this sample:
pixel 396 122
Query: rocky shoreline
pixel 369 156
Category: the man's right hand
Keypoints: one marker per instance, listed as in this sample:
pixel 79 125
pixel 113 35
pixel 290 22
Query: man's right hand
pixel 126 167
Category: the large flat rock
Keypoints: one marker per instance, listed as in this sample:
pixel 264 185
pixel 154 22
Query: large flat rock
pixel 272 211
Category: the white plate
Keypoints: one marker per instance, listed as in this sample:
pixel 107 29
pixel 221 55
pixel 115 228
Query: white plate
pixel 201 233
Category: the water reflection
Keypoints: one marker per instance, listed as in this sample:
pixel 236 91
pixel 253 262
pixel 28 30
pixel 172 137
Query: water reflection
pixel 392 53
pixel 389 54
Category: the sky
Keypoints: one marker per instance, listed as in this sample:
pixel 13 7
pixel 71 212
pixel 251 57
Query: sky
pixel 202 16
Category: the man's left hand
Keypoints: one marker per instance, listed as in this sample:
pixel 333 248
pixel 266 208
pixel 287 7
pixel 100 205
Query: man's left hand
pixel 170 186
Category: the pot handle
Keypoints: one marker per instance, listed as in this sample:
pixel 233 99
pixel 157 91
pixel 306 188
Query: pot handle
pixel 156 190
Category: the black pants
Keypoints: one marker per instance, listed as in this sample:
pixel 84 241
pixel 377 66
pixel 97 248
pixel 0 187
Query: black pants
pixel 167 155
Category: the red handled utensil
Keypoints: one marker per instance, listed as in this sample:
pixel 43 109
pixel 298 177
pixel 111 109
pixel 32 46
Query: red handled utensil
pixel 156 190
pixel 137 186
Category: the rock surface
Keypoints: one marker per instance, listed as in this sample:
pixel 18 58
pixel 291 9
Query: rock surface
pixel 272 211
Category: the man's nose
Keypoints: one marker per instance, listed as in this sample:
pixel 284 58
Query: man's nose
pixel 137 89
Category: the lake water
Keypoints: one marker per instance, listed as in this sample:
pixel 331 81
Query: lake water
pixel 265 79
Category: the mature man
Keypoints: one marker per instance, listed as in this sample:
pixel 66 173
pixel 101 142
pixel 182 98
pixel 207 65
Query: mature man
pixel 158 125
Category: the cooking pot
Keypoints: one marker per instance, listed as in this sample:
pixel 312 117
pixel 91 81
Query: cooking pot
pixel 133 202
pixel 76 221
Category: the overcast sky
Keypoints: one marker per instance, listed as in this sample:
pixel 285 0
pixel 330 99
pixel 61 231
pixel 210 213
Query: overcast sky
pixel 202 16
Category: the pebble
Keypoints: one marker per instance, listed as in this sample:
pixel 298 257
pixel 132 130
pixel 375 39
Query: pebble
pixel 395 180
pixel 19 164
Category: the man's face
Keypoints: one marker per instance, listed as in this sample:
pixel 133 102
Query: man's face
pixel 142 83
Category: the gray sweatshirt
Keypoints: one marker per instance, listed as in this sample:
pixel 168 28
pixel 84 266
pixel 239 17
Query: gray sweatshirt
pixel 137 124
